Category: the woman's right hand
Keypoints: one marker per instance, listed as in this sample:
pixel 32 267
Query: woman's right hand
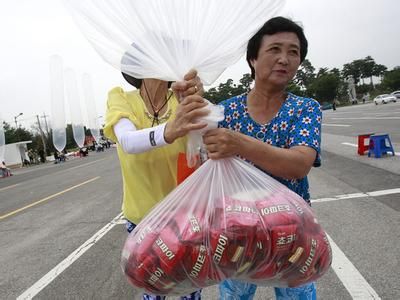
pixel 186 119
pixel 190 85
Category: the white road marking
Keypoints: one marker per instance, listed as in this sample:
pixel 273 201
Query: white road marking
pixel 384 192
pixel 57 270
pixel 348 274
pixel 336 125
pixel 354 145
pixel 350 144
pixel 357 195
pixel 121 221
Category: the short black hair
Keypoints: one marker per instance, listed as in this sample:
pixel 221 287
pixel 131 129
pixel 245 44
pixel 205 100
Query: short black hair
pixel 136 82
pixel 272 26
pixel 132 80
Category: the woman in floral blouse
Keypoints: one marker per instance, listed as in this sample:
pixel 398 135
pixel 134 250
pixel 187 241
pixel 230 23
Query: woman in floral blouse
pixel 278 132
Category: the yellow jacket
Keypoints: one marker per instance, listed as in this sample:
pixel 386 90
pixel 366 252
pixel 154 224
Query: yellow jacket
pixel 147 177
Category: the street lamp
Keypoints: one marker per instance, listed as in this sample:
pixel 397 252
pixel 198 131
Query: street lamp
pixel 15 119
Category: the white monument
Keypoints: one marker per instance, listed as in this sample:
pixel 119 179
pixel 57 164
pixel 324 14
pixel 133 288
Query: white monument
pixel 351 90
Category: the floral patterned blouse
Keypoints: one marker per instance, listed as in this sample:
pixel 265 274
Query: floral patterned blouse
pixel 298 122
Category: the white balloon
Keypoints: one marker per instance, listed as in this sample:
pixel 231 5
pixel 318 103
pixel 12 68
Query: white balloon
pixel 93 118
pixel 58 123
pixel 164 39
pixel 72 95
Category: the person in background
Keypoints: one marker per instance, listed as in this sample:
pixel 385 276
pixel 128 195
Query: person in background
pixel 4 171
pixel 148 125
pixel 42 156
pixel 56 157
pixel 30 156
pixel 278 132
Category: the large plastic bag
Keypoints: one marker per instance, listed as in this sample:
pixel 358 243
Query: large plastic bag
pixel 227 220
pixel 164 39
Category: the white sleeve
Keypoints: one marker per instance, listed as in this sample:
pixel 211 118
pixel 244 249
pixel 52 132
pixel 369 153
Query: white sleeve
pixel 137 141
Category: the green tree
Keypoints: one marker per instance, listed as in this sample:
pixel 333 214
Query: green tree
pixel 228 89
pixel 325 86
pixel 223 91
pixel 14 135
pixel 353 69
pixel 367 69
pixel 379 70
pixel 391 80
pixel 322 71
pixel 305 75
pixel 245 82
pixel 295 89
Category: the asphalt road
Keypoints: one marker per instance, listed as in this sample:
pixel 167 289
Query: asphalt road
pixel 364 118
pixel 61 233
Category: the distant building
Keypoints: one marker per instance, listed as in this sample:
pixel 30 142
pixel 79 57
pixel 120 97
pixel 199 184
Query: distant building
pixel 15 153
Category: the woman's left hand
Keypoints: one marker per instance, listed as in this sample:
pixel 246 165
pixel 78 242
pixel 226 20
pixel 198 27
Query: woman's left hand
pixel 221 143
pixel 190 85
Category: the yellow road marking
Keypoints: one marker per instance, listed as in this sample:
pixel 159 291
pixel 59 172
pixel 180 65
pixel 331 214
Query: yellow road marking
pixel 8 187
pixel 47 198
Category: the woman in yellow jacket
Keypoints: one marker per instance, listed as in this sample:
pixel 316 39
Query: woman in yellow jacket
pixel 149 125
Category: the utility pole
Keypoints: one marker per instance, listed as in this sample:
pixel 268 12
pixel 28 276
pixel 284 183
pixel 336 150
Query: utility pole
pixel 42 136
pixel 45 123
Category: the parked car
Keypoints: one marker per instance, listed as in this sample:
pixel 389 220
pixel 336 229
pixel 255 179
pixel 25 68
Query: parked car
pixel 385 98
pixel 326 106
pixel 396 94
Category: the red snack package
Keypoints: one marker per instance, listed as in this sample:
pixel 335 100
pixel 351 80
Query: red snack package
pixel 134 271
pixel 256 254
pixel 149 276
pixel 190 226
pixel 283 245
pixel 283 238
pixel 312 263
pixel 311 225
pixel 142 243
pixel 277 212
pixel 197 265
pixel 266 271
pixel 137 252
pixel 139 273
pixel 226 251
pixel 239 223
pixel 170 251
pixel 159 282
